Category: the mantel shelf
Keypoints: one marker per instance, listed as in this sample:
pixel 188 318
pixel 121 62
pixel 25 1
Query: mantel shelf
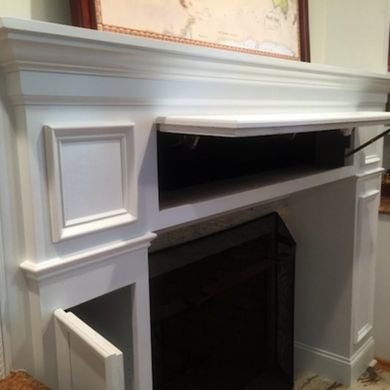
pixel 268 124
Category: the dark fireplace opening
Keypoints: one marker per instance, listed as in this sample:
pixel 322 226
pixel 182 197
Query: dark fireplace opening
pixel 222 310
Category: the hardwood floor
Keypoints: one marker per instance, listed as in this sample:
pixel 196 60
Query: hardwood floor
pixel 372 379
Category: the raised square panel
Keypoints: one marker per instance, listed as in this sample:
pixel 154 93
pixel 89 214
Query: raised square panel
pixel 91 178
pixel 364 265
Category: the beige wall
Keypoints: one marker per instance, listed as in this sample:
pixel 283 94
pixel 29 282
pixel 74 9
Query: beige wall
pixel 56 11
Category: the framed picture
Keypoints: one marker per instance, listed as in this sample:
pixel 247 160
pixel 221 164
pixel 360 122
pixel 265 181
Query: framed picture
pixel 277 28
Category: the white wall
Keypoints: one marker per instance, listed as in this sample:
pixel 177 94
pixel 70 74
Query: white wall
pixel 382 307
pixel 56 11
pixel 352 33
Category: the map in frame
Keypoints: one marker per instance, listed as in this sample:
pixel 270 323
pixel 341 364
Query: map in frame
pixel 269 27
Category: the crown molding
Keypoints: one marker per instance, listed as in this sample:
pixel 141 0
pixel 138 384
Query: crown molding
pixel 34 46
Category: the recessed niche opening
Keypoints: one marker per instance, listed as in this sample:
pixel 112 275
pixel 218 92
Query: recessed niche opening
pixel 200 167
pixel 110 315
pixel 222 308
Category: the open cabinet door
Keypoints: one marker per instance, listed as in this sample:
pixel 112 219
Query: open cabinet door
pixel 85 359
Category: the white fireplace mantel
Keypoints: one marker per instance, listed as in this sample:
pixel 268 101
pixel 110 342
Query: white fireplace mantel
pixel 37 47
pixel 269 124
pixel 79 201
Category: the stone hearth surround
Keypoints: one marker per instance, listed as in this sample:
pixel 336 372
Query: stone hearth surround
pixel 74 98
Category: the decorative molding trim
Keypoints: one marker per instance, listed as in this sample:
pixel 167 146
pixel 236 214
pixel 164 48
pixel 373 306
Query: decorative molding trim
pixel 58 266
pixel 363 332
pixel 57 137
pixel 340 368
pixel 363 282
pixel 99 53
pixel 268 124
pixel 72 99
pixel 372 159
pixel 4 353
pixel 366 174
pixel 369 195
pixel 362 358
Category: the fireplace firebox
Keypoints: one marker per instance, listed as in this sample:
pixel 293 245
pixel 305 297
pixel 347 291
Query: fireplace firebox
pixel 222 309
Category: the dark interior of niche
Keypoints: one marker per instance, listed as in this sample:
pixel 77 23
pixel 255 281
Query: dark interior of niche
pixel 187 160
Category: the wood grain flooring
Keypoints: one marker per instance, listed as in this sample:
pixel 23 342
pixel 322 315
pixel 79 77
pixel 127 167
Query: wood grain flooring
pixel 20 380
pixel 372 379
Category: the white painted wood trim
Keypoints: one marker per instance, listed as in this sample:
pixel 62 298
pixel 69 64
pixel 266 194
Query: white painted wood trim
pixel 256 125
pixel 142 345
pixel 373 159
pixel 63 50
pixel 3 369
pixel 193 209
pixel 373 172
pixel 4 358
pixel 363 332
pixel 360 331
pixel 56 136
pixel 57 266
pixel 369 195
pixel 346 370
pixel 68 323
pixel 106 45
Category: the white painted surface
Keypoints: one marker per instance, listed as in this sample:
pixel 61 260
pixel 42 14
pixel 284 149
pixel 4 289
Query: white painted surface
pixel 338 30
pixel 197 202
pixel 3 288
pixel 91 178
pixel 320 222
pixel 13 290
pixel 331 365
pixel 352 33
pixel 57 73
pixel 268 124
pixel 3 291
pixel 364 267
pixel 100 161
pixel 86 361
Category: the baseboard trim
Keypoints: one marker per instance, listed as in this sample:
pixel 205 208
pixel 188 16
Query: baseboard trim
pixel 336 367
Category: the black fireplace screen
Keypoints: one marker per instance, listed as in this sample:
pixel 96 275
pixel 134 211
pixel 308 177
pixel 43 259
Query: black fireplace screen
pixel 222 310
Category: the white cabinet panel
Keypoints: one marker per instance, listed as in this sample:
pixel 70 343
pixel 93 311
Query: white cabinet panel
pixel 370 157
pixel 91 178
pixel 86 360
pixel 364 264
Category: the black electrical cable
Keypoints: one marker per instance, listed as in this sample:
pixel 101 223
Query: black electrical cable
pixel 369 142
